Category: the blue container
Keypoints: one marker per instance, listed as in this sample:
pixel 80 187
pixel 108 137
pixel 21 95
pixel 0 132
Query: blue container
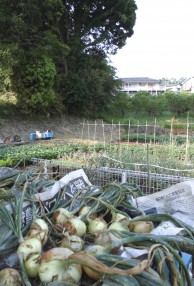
pixel 32 136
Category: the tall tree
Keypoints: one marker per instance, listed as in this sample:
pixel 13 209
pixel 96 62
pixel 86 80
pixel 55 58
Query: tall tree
pixel 69 33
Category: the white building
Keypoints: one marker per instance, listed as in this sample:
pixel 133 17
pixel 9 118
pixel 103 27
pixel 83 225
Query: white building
pixel 188 85
pixel 132 85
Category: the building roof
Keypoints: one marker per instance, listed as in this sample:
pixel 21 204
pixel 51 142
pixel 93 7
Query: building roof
pixel 187 80
pixel 140 80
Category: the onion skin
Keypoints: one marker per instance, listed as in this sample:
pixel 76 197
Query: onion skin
pixel 10 277
pixel 60 216
pixel 96 225
pixel 73 242
pixel 96 249
pixel 84 211
pixel 38 229
pixel 141 226
pixel 54 266
pixel 91 273
pixel 32 265
pixel 40 224
pixel 76 226
pixel 118 225
pixel 40 235
pixel 118 217
pixel 109 239
pixel 29 246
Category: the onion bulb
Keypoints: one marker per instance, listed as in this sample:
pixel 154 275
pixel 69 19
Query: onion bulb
pixel 84 211
pixel 112 241
pixel 73 242
pixel 141 226
pixel 95 249
pixel 10 277
pixel 61 215
pixel 107 239
pixel 96 225
pixel 76 226
pixel 118 217
pixel 54 266
pixel 38 229
pixel 32 265
pixel 118 225
pixel 29 246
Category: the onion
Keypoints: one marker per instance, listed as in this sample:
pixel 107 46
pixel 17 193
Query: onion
pixel 141 226
pixel 40 224
pixel 61 215
pixel 38 229
pixel 112 241
pixel 29 246
pixel 76 226
pixel 10 277
pixel 118 225
pixel 84 211
pixel 118 217
pixel 95 249
pixel 96 225
pixel 54 266
pixel 32 265
pixel 40 235
pixel 73 242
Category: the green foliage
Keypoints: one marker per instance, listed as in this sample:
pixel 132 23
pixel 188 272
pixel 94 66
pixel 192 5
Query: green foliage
pixel 89 90
pixel 68 34
pixel 143 101
pixel 33 81
pixel 178 103
pixel 163 139
pixel 7 105
pixel 120 105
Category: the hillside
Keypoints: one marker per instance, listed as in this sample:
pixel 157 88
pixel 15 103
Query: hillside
pixel 64 127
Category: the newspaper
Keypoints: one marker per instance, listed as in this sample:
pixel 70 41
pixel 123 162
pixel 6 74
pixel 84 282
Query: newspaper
pixel 177 201
pixel 66 187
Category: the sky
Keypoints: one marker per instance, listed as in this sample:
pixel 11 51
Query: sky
pixel 162 45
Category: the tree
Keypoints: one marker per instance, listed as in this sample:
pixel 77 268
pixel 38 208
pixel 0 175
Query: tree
pixel 89 90
pixel 68 33
pixel 178 103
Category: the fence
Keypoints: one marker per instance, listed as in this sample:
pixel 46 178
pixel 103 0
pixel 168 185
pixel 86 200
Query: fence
pixel 147 182
pixel 139 132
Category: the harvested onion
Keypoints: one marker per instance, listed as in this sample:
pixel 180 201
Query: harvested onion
pixel 32 265
pixel 9 277
pixel 73 242
pixel 29 246
pixel 141 226
pixel 118 225
pixel 54 266
pixel 61 215
pixel 38 229
pixel 75 226
pixel 96 225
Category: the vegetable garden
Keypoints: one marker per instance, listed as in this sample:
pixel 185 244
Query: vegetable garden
pixel 83 243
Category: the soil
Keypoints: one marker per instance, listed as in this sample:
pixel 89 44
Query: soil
pixel 64 127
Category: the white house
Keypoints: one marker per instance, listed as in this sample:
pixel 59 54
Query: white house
pixel 188 85
pixel 132 85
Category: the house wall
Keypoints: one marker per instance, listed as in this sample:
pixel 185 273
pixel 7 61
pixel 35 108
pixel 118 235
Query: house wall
pixel 133 87
pixel 188 85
